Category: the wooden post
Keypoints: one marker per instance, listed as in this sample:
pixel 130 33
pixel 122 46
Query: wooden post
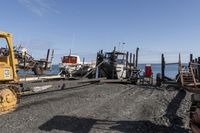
pixel 83 60
pixel 193 76
pixel 47 59
pixel 162 67
pixel 191 57
pixel 180 70
pixel 52 55
pixel 25 60
pixel 133 60
pixel 130 63
pixel 198 69
pixel 97 61
pixel 192 61
pixel 195 60
pixel 113 63
pixel 127 65
pixel 83 65
pixel 136 62
pixel 198 60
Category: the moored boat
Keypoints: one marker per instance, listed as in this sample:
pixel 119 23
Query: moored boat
pixel 71 66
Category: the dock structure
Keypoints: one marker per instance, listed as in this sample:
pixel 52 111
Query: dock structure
pixel 187 74
pixel 195 63
pixel 195 97
pixel 188 78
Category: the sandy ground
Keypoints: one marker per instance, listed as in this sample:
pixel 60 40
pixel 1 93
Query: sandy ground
pixel 101 108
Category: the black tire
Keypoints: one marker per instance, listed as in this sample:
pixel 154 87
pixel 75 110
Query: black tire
pixel 38 70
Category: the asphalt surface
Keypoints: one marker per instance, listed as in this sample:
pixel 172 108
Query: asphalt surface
pixel 101 108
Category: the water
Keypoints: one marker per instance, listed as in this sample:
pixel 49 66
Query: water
pixel 53 70
pixel 170 70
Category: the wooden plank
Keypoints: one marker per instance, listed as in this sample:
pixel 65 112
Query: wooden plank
pixel 193 77
pixel 192 84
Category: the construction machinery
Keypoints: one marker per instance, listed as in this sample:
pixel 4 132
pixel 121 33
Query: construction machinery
pixel 116 66
pixel 8 75
pixel 12 86
pixel 27 62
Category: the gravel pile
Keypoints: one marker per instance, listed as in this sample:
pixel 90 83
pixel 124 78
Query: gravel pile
pixel 101 108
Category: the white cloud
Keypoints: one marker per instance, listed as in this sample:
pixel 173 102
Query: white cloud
pixel 39 7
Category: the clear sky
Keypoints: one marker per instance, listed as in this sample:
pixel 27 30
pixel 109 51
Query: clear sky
pixel 86 26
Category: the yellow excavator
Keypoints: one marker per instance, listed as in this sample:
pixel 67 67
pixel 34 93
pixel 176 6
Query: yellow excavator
pixel 8 75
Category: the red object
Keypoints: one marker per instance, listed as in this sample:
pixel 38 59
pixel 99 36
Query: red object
pixel 69 59
pixel 148 71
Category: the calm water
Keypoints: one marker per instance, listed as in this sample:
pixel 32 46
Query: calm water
pixel 171 70
pixel 54 70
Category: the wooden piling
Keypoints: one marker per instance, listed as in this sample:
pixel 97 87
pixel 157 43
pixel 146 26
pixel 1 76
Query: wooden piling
pixel 133 60
pixel 136 61
pixel 198 69
pixel 162 67
pixel 47 59
pixel 127 64
pixel 130 62
pixel 191 57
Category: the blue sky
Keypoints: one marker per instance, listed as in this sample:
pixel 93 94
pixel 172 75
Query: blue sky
pixel 86 26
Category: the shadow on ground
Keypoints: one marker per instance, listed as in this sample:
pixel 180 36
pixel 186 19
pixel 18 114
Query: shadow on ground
pixel 84 125
pixel 173 107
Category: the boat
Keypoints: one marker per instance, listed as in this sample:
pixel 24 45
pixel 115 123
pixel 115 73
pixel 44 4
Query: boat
pixel 71 66
pixel 116 65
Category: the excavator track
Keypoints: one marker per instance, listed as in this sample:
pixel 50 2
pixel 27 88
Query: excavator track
pixel 8 99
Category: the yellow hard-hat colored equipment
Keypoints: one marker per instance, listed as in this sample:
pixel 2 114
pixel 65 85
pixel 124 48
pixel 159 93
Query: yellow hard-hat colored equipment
pixel 8 75
pixel 11 86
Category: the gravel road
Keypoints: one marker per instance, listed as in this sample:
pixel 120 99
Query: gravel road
pixel 102 108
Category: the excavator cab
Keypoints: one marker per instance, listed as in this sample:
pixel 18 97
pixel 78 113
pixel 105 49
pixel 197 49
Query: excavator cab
pixel 7 59
pixel 8 75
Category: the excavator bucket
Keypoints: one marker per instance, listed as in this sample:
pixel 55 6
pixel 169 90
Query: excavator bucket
pixel 8 100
